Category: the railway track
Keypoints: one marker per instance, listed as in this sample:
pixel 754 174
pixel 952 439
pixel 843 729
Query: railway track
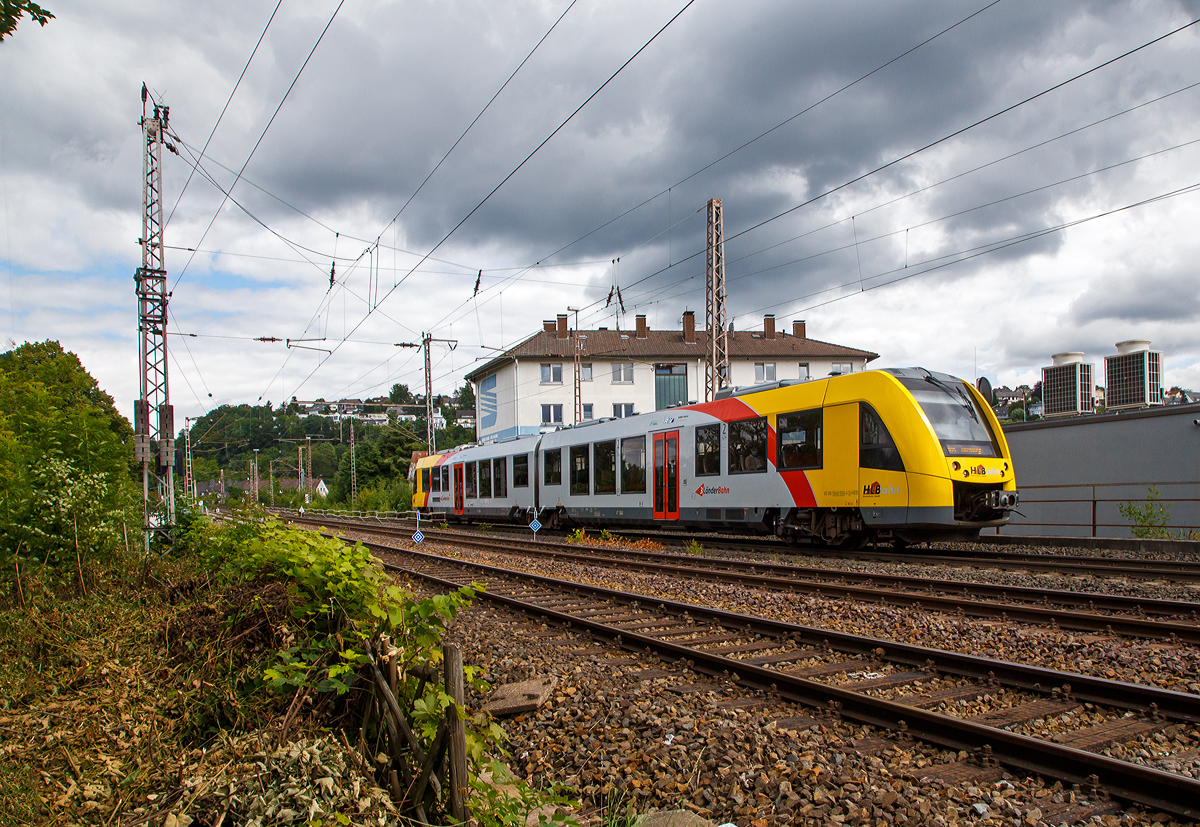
pixel 1085 565
pixel 871 681
pixel 1155 619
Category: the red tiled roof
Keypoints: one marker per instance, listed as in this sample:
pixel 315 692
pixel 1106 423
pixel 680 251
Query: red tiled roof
pixel 669 344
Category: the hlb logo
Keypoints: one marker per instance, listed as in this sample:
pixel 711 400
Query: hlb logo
pixel 874 489
pixel 984 472
pixel 712 489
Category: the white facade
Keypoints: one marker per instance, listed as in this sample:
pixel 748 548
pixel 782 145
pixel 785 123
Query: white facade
pixel 525 392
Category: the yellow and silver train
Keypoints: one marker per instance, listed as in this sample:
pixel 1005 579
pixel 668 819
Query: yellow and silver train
pixel 899 455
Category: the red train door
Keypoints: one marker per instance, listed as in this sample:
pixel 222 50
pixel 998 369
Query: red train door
pixel 666 476
pixel 458 489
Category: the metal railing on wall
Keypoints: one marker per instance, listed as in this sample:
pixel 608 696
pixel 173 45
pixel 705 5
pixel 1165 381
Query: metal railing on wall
pixel 1089 493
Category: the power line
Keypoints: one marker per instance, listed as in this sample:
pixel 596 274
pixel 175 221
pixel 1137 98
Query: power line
pixel 260 137
pixel 228 101
pixel 514 172
pixel 480 115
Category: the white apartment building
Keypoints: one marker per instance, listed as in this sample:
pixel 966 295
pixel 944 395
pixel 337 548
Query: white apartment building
pixel 531 387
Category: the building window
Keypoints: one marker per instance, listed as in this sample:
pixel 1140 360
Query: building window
pixel 633 465
pixel 485 479
pixel 552 414
pixel 587 410
pixel 552 373
pixel 469 470
pixel 843 367
pixel 764 371
pixel 670 386
pixel 552 466
pixel 585 372
pixel 799 440
pixel 606 467
pixel 579 469
pixel 521 471
pixel 622 373
pixel 708 450
pixel 748 446
pixel 500 477
pixel 804 371
pixel 622 409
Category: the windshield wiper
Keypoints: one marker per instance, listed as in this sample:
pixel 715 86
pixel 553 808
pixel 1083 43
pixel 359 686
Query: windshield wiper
pixel 952 392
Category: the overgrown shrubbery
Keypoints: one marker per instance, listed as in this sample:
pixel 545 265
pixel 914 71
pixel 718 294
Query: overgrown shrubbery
pixel 348 619
pixel 67 496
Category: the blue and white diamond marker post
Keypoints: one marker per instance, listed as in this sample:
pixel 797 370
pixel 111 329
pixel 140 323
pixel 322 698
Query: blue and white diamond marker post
pixel 418 537
pixel 535 525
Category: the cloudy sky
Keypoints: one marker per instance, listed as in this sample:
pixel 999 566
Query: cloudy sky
pixel 970 187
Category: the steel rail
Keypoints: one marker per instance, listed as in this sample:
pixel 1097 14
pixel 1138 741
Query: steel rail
pixel 1132 782
pixel 968 604
pixel 1142 569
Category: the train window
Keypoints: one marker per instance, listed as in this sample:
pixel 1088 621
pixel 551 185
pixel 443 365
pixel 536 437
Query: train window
pixel 605 481
pixel 579 469
pixel 876 448
pixel 485 478
pixel 748 446
pixel 435 480
pixel 500 477
pixel 633 465
pixel 424 479
pixel 799 440
pixel 446 478
pixel 521 471
pixel 708 450
pixel 470 474
pixel 552 472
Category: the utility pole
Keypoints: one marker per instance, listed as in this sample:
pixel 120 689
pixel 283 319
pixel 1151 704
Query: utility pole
pixel 189 477
pixel 300 469
pixel 255 483
pixel 154 438
pixel 308 459
pixel 717 375
pixel 353 467
pixel 271 480
pixel 576 344
pixel 430 431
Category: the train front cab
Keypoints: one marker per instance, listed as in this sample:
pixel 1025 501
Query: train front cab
pixel 932 459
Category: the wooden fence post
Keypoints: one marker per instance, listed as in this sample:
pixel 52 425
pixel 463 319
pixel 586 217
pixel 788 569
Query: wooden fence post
pixel 459 783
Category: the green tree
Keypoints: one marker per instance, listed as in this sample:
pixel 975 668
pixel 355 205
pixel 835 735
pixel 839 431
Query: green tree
pixel 401 395
pixel 66 488
pixel 464 397
pixel 11 12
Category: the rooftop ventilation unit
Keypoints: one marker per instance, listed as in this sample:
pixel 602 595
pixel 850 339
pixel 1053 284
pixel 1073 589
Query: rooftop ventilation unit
pixel 1068 386
pixel 1133 378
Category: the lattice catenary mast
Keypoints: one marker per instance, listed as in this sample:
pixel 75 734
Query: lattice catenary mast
pixel 154 437
pixel 717 375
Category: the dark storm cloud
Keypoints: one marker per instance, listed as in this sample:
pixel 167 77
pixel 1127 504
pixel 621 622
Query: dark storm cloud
pixel 1139 294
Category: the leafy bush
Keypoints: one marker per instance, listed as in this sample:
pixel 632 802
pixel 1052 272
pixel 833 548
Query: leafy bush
pixel 1148 520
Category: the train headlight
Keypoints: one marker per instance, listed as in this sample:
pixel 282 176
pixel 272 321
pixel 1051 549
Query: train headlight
pixel 966 474
pixel 956 465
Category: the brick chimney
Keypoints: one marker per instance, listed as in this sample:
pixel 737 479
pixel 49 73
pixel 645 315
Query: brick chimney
pixel 641 326
pixel 548 325
pixel 689 327
pixel 769 326
pixel 798 329
pixel 562 325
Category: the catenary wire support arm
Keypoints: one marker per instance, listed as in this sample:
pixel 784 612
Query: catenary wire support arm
pixel 430 431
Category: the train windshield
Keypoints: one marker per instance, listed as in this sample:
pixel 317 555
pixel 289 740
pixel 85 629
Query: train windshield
pixel 955 416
